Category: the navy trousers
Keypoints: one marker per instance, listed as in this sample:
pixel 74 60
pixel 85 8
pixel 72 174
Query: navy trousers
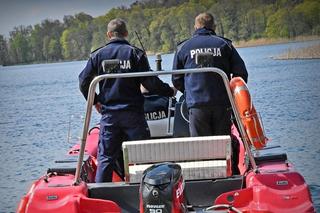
pixel 214 120
pixel 116 127
pixel 206 121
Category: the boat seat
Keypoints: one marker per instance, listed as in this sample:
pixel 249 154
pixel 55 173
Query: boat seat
pixel 199 157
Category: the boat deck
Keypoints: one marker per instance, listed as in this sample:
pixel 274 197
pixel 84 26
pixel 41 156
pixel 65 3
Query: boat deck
pixel 200 193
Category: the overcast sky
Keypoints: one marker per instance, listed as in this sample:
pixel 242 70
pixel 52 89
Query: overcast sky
pixel 30 12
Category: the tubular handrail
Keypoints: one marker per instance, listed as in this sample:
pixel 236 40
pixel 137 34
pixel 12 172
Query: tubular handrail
pixel 169 118
pixel 96 80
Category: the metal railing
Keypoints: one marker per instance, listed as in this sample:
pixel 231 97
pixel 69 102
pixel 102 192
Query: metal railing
pixel 97 79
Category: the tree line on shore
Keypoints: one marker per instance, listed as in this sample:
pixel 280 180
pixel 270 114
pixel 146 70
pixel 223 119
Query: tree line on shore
pixel 161 24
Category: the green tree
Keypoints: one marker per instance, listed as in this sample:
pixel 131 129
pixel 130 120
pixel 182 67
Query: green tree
pixel 36 43
pixel 280 24
pixel 307 17
pixel 41 36
pixel 4 57
pixel 67 44
pixel 83 18
pixel 54 50
pixel 253 24
pixel 19 44
pixel 99 32
pixel 76 39
pixel 45 48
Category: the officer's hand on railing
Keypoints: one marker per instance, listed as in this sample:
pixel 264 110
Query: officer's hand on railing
pixel 98 107
pixel 174 91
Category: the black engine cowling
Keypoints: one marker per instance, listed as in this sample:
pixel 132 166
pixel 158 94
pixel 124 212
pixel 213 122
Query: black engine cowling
pixel 162 189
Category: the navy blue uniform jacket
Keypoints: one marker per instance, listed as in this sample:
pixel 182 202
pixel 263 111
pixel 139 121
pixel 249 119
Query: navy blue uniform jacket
pixel 206 89
pixel 124 93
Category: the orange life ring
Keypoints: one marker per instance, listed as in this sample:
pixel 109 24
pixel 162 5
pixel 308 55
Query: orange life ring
pixel 248 114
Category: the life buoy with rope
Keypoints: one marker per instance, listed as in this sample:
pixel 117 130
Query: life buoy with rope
pixel 249 117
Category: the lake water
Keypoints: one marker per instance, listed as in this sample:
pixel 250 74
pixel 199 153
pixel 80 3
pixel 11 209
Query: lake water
pixel 38 101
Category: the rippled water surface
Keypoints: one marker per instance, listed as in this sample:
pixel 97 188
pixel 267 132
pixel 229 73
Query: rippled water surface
pixel 38 101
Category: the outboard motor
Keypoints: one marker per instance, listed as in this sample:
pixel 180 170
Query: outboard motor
pixel 162 189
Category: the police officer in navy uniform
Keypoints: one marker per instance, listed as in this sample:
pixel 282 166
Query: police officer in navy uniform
pixel 119 101
pixel 206 96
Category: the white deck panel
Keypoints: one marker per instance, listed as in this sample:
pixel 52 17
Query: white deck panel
pixel 178 149
pixel 191 170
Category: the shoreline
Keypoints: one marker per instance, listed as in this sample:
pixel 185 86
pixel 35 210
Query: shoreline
pixel 272 41
pixel 239 44
pixel 306 53
pixel 257 43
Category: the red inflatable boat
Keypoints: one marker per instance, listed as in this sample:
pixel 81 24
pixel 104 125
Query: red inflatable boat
pixel 174 173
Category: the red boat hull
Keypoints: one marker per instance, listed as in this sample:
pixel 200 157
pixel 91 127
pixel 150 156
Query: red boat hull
pixel 58 194
pixel 272 190
pixel 276 188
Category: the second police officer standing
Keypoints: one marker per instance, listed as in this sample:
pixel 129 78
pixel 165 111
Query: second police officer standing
pixel 206 96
